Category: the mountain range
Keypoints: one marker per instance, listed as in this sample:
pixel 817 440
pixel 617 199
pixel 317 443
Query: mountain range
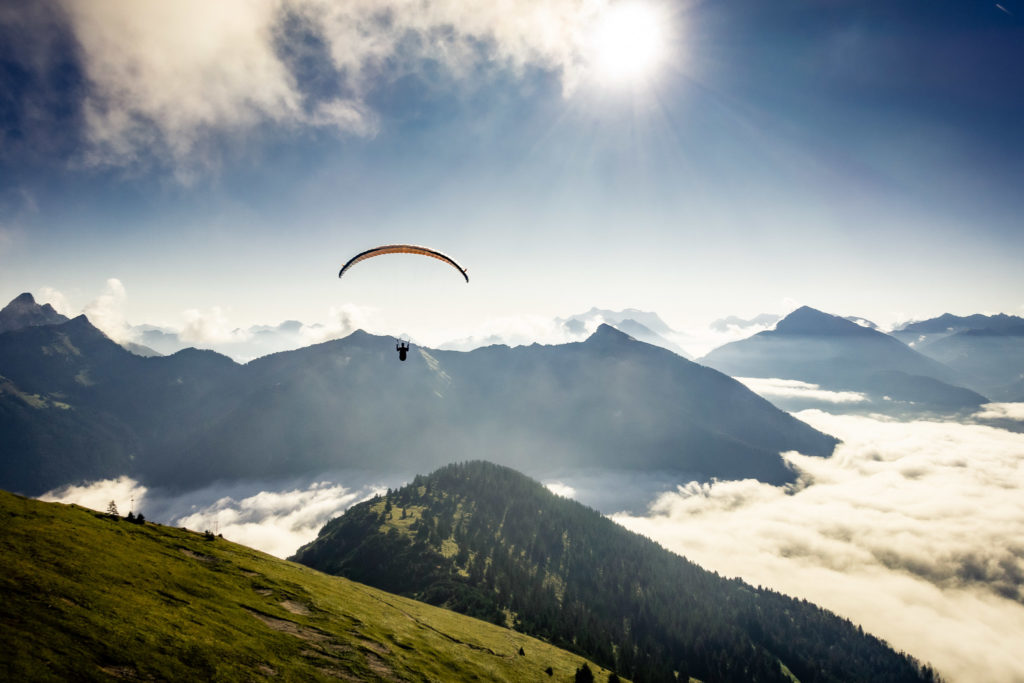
pixel 987 350
pixel 488 541
pixel 839 354
pixel 75 406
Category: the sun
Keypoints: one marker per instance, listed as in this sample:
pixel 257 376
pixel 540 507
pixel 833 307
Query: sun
pixel 628 43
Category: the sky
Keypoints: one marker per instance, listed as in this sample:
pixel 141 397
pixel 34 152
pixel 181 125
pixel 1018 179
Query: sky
pixel 211 167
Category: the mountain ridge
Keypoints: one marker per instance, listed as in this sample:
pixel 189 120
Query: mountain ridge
pixel 197 416
pixel 838 354
pixel 487 540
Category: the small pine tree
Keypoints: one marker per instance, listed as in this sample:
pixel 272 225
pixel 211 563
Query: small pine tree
pixel 130 516
pixel 112 509
pixel 584 674
pixel 140 519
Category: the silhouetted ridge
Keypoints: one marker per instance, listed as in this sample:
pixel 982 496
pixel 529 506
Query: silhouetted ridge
pixel 607 336
pixel 490 542
pixel 23 311
pixel 196 416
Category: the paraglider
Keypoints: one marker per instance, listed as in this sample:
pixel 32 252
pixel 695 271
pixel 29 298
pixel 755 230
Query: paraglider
pixel 402 249
pixel 402 346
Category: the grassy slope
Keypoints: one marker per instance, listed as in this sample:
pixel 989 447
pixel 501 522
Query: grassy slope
pixel 87 597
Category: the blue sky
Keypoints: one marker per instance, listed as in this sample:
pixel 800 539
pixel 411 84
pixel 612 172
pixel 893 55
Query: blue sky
pixel 865 158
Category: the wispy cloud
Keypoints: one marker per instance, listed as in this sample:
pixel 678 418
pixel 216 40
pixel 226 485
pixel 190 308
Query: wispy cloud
pixel 209 327
pixel 171 76
pixel 107 311
pixel 793 388
pixel 911 529
pixel 1001 411
pixel 56 299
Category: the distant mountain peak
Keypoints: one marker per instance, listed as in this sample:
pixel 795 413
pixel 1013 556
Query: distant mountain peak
pixel 605 333
pixel 23 311
pixel 810 321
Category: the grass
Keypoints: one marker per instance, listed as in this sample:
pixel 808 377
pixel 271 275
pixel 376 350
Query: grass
pixel 84 596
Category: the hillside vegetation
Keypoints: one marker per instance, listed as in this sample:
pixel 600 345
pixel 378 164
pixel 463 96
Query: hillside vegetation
pixel 488 541
pixel 87 596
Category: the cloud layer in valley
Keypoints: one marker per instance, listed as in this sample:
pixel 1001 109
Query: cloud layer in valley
pixel 792 388
pixel 912 529
pixel 275 517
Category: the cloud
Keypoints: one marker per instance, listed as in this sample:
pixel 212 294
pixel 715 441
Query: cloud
pixel 56 299
pixel 277 522
pixel 912 529
pixel 560 489
pixel 522 330
pixel 107 312
pixel 172 76
pixel 341 322
pixel 1001 411
pixel 209 327
pixel 97 495
pixel 792 388
pixel 276 518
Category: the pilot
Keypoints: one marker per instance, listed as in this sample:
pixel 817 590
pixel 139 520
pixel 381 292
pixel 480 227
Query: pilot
pixel 403 348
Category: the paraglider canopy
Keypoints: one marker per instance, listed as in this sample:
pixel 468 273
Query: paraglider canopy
pixel 402 249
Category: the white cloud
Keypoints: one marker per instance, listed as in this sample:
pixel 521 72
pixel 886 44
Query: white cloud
pixel 276 522
pixel 56 299
pixel 560 489
pixel 793 388
pixel 209 327
pixel 106 311
pixel 98 495
pixel 167 76
pixel 1001 411
pixel 911 529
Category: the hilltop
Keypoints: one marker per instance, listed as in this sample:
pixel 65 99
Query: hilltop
pixel 488 541
pixel 87 596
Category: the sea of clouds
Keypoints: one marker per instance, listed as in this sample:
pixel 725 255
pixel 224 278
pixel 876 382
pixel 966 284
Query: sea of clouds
pixel 914 530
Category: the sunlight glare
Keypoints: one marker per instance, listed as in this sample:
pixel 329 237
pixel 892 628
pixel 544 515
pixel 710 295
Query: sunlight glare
pixel 628 43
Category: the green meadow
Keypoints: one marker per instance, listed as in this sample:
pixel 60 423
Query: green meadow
pixel 87 596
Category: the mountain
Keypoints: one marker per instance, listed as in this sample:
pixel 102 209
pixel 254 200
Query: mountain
pixel 948 323
pixel 609 403
pixel 23 311
pixel 488 541
pixel 838 354
pixel 88 596
pixel 987 350
pixel 641 325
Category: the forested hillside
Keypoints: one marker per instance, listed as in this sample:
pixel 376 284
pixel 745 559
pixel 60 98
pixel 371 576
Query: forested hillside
pixel 487 541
